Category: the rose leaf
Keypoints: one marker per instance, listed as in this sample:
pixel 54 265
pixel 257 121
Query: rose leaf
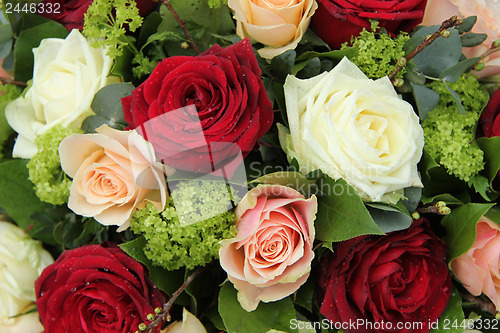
pixel 17 195
pixel 491 147
pixel 341 213
pixel 460 225
pixel 274 315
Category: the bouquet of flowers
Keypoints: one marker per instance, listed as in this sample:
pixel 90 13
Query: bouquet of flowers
pixel 249 166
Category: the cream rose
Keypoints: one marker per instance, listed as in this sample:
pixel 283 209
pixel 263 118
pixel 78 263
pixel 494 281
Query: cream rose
pixel 354 128
pixel 278 24
pixel 67 73
pixel 22 260
pixel 487 12
pixel 189 324
pixel 113 173
pixel 479 268
pixel 270 257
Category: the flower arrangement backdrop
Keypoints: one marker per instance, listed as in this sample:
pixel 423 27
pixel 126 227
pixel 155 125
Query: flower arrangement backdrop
pixel 249 166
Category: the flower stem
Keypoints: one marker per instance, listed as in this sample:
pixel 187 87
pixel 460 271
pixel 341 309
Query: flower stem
pixel 451 22
pixel 164 315
pixel 10 81
pixel 182 24
pixel 484 305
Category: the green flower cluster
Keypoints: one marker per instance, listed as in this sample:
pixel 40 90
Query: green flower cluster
pixel 52 185
pixel 378 53
pixel 216 3
pixel 173 244
pixel 9 92
pixel 105 22
pixel 449 135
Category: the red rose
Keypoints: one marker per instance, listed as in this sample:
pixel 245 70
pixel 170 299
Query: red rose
pixel 335 21
pixel 199 112
pixel 399 279
pixel 70 12
pixel 489 123
pixel 95 289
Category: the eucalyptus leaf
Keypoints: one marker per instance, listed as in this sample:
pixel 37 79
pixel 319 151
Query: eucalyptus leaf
pixel 389 217
pixel 413 76
pixel 467 24
pixel 267 316
pixel 438 56
pixel 426 99
pixel 456 99
pixel 413 196
pixel 108 108
pixel 17 195
pixel 341 213
pixel 460 225
pixel 282 65
pixel 472 39
pixel 312 68
pixel 5 40
pixel 453 73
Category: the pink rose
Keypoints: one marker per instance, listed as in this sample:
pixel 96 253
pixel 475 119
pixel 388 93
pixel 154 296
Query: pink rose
pixel 270 257
pixel 487 12
pixel 113 173
pixel 479 268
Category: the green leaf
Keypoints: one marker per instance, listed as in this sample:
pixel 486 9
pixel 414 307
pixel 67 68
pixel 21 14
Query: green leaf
pixel 453 73
pixel 267 316
pixel 467 24
pixel 29 39
pixel 163 36
pixel 149 27
pixel 5 40
pixel 17 196
pixel 413 196
pixel 108 107
pixel 452 313
pixel 292 179
pixel 456 99
pixel 311 68
pixel 446 197
pixel 168 281
pixel 440 55
pixel 480 185
pixel 491 147
pixel 472 39
pixel 335 54
pixel 341 213
pixel 494 214
pixel 413 75
pixel 282 65
pixel 389 217
pixel 5 129
pixel 460 225
pixel 426 99
pixel 305 295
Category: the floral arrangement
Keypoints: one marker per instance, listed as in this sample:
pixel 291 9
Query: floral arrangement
pixel 249 166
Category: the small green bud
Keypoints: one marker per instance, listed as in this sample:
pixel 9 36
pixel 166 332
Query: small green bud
pixel 398 82
pixel 185 45
pixel 479 66
pixel 402 61
pixel 142 327
pixel 497 315
pixel 440 204
pixel 150 317
pixel 444 210
pixel 158 310
pixel 415 216
pixel 496 43
pixel 445 33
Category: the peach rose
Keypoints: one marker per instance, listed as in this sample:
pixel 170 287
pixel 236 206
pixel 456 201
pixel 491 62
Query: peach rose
pixel 479 268
pixel 278 24
pixel 487 12
pixel 270 257
pixel 113 173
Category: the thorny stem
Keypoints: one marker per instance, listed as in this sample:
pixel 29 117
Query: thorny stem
pixel 449 23
pixel 182 24
pixel 165 314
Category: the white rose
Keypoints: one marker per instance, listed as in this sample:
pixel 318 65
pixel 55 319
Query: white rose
pixel 66 75
pixel 354 128
pixel 22 260
pixel 189 324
